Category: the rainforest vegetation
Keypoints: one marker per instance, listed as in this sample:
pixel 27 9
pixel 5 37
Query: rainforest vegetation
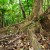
pixel 24 24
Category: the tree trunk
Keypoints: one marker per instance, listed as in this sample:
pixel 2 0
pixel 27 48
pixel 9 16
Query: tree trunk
pixel 22 8
pixel 0 22
pixel 28 23
pixel 2 19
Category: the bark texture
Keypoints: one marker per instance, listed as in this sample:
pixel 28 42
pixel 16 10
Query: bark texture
pixel 28 24
pixel 22 8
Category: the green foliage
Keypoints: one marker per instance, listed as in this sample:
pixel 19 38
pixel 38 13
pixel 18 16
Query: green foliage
pixel 46 3
pixel 11 11
pixel 41 18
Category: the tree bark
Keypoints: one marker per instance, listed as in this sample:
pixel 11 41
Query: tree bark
pixel 0 21
pixel 27 22
pixel 22 8
pixel 2 18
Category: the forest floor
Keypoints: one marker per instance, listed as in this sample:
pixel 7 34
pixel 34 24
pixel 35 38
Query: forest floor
pixel 44 40
pixel 22 42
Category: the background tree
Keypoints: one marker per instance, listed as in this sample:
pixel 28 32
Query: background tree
pixel 22 8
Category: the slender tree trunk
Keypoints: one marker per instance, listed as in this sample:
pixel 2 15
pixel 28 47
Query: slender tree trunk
pixel 0 22
pixel 22 8
pixel 2 19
